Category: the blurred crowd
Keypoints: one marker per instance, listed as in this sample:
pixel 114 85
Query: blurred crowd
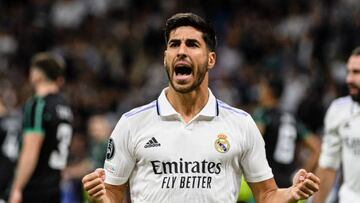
pixel 114 55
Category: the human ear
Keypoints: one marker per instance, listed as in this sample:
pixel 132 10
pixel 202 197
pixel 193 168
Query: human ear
pixel 164 57
pixel 211 60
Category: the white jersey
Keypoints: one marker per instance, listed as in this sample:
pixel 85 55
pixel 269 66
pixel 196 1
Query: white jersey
pixel 167 160
pixel 341 145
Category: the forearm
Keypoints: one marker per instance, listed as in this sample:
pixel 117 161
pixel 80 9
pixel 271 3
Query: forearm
pixel 327 177
pixel 313 144
pixel 311 162
pixel 322 195
pixel 108 198
pixel 304 185
pixel 277 195
pixel 267 191
pixel 105 199
pixel 25 169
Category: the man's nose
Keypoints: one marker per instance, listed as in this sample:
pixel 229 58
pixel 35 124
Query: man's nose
pixel 182 50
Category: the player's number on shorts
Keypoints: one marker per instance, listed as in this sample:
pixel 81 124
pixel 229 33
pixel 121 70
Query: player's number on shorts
pixel 59 156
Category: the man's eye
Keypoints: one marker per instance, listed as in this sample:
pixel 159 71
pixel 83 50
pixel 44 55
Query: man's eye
pixel 173 44
pixel 192 44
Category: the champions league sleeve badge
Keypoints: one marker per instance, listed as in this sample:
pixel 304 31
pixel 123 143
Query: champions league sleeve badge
pixel 222 145
pixel 110 149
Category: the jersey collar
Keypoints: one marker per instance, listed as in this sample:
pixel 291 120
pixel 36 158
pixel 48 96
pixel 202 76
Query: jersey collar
pixel 356 107
pixel 165 109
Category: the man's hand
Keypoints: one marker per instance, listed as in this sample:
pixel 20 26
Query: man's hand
pixel 94 185
pixel 304 185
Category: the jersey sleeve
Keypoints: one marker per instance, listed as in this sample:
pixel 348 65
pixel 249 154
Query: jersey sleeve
pixel 33 116
pixel 254 163
pixel 119 161
pixel 330 156
pixel 259 116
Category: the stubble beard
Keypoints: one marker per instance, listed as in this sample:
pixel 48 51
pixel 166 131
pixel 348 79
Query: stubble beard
pixel 355 97
pixel 198 80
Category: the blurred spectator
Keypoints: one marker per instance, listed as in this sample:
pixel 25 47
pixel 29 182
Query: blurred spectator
pixel 85 159
pixel 10 131
pixel 8 47
pixel 99 129
pixel 110 44
pixel 294 91
pixel 68 13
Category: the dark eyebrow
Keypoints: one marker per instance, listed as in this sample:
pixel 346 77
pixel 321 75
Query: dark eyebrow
pixel 357 68
pixel 173 40
pixel 193 41
pixel 187 41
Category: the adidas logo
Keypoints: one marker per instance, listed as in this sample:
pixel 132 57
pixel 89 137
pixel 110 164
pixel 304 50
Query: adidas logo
pixel 152 143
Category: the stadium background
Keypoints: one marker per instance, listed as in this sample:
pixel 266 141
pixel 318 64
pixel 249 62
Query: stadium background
pixel 114 50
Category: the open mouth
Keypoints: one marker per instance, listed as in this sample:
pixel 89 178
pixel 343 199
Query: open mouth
pixel 353 87
pixel 353 90
pixel 182 70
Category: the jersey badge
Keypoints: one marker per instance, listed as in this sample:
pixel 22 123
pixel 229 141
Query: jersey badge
pixel 110 149
pixel 222 145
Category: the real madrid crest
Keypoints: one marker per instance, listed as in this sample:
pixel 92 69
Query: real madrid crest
pixel 222 145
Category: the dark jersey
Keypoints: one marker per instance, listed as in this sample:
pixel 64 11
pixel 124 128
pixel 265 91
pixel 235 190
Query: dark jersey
pixel 281 134
pixel 10 130
pixel 51 117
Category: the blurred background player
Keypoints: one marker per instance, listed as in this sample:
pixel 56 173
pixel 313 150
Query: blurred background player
pixel 10 130
pixel 284 135
pixel 47 134
pixel 341 141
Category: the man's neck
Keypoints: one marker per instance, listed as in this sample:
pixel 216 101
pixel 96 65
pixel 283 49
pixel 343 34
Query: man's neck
pixel 270 103
pixel 188 105
pixel 46 88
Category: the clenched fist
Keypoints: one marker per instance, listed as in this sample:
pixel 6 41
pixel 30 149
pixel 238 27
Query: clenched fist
pixel 304 185
pixel 94 184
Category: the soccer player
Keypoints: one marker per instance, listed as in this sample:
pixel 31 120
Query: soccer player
pixel 341 142
pixel 188 146
pixel 10 130
pixel 283 134
pixel 47 134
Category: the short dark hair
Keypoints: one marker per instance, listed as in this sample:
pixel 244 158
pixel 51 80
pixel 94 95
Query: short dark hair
pixel 190 19
pixel 275 84
pixel 51 65
pixel 356 52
